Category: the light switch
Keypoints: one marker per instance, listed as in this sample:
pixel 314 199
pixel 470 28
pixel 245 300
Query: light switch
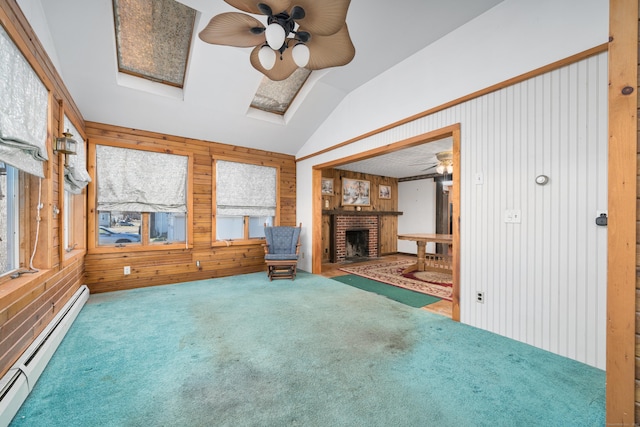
pixel 513 216
pixel 508 216
pixel 479 179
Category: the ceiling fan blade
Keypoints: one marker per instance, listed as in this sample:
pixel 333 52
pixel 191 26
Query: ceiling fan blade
pixel 330 51
pixel 323 17
pixel 251 6
pixel 282 69
pixel 233 29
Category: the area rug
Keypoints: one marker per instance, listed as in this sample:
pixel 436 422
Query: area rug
pixel 439 285
pixel 396 293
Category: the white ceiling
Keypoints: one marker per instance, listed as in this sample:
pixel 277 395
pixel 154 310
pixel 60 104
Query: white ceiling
pixel 409 162
pixel 220 82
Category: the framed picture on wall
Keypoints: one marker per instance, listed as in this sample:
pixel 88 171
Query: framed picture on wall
pixel 356 192
pixel 384 191
pixel 327 186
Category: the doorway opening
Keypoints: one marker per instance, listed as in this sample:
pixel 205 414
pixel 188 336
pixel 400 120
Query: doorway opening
pixel 448 210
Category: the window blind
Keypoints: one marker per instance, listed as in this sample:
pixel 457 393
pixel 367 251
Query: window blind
pixel 140 181
pixel 76 176
pixel 23 111
pixel 245 189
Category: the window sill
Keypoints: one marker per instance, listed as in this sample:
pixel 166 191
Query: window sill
pixel 10 287
pixel 239 242
pixel 139 248
pixel 72 256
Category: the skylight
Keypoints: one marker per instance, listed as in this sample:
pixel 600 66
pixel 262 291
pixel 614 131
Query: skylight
pixel 276 96
pixel 153 38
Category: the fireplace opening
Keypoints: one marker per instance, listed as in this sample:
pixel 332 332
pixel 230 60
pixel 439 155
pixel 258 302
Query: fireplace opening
pixel 357 243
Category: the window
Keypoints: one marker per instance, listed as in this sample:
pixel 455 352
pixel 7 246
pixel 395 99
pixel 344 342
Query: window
pixel 276 97
pixel 245 200
pixel 75 179
pixel 153 38
pixel 167 227
pixel 24 107
pixel 142 198
pixel 9 219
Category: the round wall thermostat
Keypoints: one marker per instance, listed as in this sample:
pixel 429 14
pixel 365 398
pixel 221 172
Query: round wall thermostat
pixel 542 179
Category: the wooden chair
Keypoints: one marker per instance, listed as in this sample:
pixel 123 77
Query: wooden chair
pixel 281 251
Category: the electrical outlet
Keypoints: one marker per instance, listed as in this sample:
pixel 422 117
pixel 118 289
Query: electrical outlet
pixel 198 264
pixel 127 270
pixel 480 297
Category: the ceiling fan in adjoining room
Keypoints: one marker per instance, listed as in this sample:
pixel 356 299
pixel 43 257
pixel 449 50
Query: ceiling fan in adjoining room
pixel 445 162
pixel 442 165
pixel 309 34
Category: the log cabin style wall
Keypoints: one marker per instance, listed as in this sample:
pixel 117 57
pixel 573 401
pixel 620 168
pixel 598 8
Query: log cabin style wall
pixel 28 303
pixel 104 270
pixel 384 209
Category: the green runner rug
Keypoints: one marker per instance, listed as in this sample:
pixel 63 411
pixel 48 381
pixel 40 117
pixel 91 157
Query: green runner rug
pixel 405 296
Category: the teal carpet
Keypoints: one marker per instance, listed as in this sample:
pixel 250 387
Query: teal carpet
pixel 405 296
pixel 243 351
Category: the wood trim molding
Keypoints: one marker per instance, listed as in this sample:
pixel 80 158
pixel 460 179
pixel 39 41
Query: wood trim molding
pixel 452 131
pixel 526 76
pixel 621 264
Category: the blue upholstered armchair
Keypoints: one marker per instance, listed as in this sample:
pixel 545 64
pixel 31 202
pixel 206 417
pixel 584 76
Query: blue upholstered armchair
pixel 281 251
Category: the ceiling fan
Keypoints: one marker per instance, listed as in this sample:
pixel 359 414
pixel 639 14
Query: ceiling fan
pixel 444 163
pixel 300 33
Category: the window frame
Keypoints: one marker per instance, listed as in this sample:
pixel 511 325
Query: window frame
pixel 35 194
pixel 126 68
pixel 144 244
pixel 245 241
pixel 77 212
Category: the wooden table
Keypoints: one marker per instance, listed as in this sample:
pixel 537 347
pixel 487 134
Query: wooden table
pixel 421 240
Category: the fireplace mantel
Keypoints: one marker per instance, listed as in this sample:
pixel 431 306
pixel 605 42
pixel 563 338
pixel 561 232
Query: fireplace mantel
pixel 354 212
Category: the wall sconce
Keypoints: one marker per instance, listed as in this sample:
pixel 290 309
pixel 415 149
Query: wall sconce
pixel 65 145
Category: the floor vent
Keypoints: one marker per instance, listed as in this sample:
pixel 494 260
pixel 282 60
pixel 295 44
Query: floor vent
pixel 18 382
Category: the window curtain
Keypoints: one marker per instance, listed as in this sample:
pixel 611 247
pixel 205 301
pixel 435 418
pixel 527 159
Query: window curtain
pixel 23 111
pixel 244 189
pixel 76 176
pixel 140 181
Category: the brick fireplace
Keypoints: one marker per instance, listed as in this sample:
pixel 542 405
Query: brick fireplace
pixel 343 222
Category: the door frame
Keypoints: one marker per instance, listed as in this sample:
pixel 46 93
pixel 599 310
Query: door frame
pixel 453 132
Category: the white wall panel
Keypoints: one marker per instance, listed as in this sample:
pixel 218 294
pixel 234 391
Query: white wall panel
pixel 417 202
pixel 544 279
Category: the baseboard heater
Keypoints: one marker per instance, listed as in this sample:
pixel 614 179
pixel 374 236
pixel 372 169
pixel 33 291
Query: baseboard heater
pixel 18 382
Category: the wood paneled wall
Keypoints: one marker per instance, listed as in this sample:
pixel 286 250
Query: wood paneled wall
pixel 388 242
pixel 29 303
pixel 104 271
pixel 637 324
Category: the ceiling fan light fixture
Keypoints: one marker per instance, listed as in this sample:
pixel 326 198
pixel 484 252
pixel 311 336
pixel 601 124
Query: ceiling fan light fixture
pixel 275 35
pixel 317 31
pixel 449 169
pixel 440 168
pixel 267 57
pixel 300 53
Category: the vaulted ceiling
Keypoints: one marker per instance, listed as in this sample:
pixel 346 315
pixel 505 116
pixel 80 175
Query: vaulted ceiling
pixel 220 82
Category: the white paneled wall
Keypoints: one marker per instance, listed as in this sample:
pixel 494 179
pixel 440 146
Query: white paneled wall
pixel 417 202
pixel 544 279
